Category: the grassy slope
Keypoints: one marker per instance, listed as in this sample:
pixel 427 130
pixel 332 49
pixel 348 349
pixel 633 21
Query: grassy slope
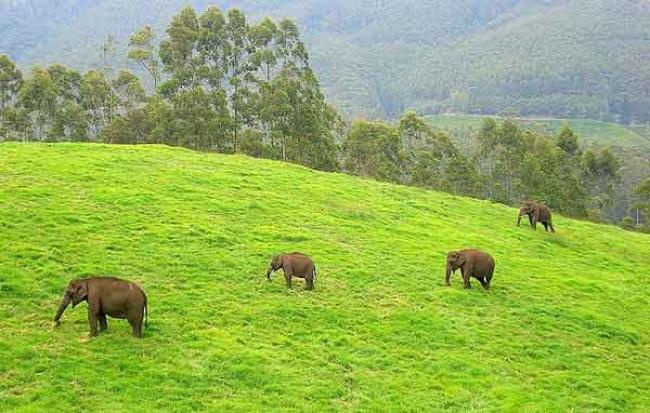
pixel 565 326
pixel 591 131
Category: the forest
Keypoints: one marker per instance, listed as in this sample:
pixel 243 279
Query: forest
pixel 223 83
pixel 560 58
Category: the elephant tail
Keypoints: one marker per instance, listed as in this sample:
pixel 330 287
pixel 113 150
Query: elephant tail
pixel 146 313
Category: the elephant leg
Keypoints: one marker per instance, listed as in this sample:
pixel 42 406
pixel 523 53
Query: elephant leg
pixel 310 283
pixel 103 325
pixel 530 220
pixel 551 226
pixel 136 325
pixel 484 283
pixel 534 223
pixel 545 226
pixel 93 321
pixel 288 273
pixel 466 282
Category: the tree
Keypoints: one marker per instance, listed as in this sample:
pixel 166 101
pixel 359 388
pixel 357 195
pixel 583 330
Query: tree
pixel 237 69
pixel 600 173
pixel 641 206
pixel 212 48
pixel 10 81
pixel 129 92
pixel 413 129
pixel 98 101
pixel 375 150
pixel 143 51
pixel 178 53
pixel 502 149
pixel 108 50
pixel 264 57
pixel 567 140
pixel 291 49
pixel 69 119
pixel 38 97
pixel 70 123
pixel 433 156
pixel 130 122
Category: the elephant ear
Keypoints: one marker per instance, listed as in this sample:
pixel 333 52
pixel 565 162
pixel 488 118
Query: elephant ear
pixel 462 258
pixel 454 259
pixel 81 292
pixel 277 261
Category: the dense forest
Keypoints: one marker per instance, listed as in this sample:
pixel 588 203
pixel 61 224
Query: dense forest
pixel 225 84
pixel 565 58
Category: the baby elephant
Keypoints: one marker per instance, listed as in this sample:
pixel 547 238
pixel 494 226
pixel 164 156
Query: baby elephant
pixel 294 265
pixel 472 263
pixel 106 296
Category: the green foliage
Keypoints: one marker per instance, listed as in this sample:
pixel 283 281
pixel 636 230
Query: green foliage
pixel 236 87
pixel 639 208
pixel 567 140
pixel 98 100
pixel 129 91
pixel 566 58
pixel 563 328
pixel 144 52
pixel 614 198
pixel 373 149
pixel 38 97
pixel 601 172
pixel 434 161
pixel 508 164
pixel 228 86
pixel 10 81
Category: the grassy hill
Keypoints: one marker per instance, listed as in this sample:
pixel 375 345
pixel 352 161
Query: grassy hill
pixel 564 58
pixel 565 327
pixel 590 131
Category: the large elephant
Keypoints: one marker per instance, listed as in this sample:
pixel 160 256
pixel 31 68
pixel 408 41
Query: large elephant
pixel 106 296
pixel 537 212
pixel 294 264
pixel 472 263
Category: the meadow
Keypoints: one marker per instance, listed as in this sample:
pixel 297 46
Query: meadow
pixel 590 131
pixel 564 328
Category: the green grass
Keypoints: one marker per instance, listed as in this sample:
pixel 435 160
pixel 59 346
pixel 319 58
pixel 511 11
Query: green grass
pixel 589 131
pixel 565 327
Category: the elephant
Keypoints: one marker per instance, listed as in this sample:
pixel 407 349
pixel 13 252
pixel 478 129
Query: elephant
pixel 294 264
pixel 537 212
pixel 472 263
pixel 106 296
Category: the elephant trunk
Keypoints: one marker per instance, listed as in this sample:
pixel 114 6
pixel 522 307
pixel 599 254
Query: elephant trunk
pixel 64 304
pixel 268 273
pixel 448 274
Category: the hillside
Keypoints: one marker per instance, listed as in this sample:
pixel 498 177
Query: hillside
pixel 564 328
pixel 590 131
pixel 566 58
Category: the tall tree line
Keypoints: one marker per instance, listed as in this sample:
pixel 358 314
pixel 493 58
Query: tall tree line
pixel 224 84
pixel 504 163
pixel 221 84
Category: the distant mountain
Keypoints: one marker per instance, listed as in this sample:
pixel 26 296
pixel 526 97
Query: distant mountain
pixel 566 58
